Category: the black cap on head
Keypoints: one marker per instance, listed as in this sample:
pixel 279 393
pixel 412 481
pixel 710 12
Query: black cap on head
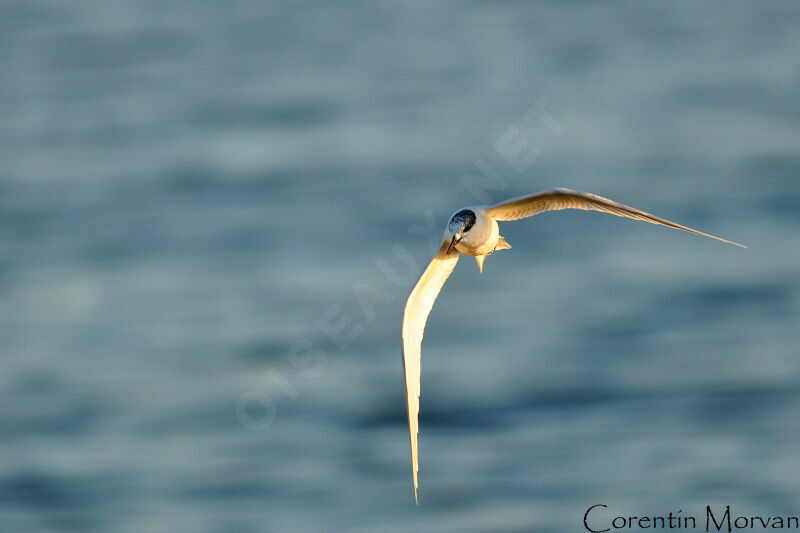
pixel 465 217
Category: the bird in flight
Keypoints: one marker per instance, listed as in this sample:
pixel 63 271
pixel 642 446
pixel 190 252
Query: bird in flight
pixel 474 231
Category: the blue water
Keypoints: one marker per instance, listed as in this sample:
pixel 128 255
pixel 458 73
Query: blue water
pixel 211 215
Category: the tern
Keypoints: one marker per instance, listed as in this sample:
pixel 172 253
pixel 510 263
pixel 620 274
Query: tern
pixel 474 231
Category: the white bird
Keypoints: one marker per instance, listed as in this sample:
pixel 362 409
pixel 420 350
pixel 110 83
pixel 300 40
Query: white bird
pixel 474 231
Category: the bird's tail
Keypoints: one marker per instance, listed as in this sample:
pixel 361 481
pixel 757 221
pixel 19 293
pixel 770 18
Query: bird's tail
pixel 502 244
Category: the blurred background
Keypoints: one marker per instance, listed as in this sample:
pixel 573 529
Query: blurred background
pixel 211 215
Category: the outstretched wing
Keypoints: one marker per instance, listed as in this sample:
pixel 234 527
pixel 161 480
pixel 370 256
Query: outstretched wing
pixel 418 307
pixel 558 199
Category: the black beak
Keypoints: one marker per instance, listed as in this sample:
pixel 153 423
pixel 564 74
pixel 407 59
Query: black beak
pixel 452 243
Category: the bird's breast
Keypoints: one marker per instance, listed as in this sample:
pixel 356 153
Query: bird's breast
pixel 482 237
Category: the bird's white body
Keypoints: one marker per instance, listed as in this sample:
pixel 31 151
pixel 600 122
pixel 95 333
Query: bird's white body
pixel 474 231
pixel 482 238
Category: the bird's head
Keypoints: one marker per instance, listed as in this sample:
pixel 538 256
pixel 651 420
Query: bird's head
pixel 459 224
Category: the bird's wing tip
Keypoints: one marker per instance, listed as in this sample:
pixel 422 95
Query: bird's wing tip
pixel 734 243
